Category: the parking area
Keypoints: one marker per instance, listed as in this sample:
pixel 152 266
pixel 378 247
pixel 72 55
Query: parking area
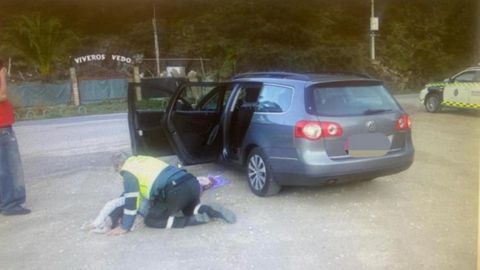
pixel 423 218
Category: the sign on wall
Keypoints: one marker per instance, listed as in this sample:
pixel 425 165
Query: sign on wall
pixel 103 57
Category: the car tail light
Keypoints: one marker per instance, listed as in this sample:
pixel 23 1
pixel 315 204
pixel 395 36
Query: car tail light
pixel 403 123
pixel 314 130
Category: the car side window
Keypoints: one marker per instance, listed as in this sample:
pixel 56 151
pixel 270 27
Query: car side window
pixel 468 76
pixel 247 97
pixel 211 104
pixel 198 98
pixel 274 99
pixel 477 76
pixel 212 101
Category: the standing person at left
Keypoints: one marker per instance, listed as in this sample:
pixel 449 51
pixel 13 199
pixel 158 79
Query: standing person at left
pixel 12 187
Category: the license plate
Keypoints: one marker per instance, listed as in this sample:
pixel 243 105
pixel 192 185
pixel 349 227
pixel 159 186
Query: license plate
pixel 367 145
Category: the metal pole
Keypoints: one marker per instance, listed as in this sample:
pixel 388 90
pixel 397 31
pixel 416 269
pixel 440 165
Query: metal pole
pixel 372 34
pixel 372 49
pixel 136 79
pixel 203 68
pixel 9 67
pixel 74 83
pixel 157 50
pixel 373 9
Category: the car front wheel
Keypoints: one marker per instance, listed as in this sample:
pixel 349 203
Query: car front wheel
pixel 259 174
pixel 432 103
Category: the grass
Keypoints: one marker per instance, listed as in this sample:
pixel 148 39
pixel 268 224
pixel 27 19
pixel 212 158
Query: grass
pixel 58 111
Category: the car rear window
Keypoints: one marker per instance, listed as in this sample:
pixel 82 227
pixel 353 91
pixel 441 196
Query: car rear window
pixel 340 100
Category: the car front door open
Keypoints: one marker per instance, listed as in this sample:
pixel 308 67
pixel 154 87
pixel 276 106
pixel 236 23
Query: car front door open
pixel 193 114
pixel 147 103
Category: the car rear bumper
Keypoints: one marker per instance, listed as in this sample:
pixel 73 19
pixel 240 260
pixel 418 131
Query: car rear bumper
pixel 296 172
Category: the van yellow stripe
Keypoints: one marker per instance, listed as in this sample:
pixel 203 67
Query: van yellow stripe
pixel 461 105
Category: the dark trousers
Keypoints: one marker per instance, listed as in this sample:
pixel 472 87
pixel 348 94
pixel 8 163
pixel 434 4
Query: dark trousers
pixel 116 216
pixel 182 197
pixel 12 187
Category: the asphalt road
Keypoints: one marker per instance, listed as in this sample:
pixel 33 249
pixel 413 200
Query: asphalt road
pixel 423 218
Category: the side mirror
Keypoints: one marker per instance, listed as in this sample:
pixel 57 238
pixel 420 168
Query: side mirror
pixel 447 80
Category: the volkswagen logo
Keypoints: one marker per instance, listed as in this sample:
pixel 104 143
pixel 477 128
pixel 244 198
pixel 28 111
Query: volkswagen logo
pixel 371 126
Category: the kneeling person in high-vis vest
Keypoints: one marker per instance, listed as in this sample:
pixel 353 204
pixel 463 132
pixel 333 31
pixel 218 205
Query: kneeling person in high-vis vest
pixel 167 189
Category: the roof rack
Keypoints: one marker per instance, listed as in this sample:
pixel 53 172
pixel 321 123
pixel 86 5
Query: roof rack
pixel 277 75
pixel 298 76
pixel 344 73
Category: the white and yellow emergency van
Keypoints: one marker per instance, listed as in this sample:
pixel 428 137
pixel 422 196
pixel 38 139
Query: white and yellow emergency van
pixel 459 91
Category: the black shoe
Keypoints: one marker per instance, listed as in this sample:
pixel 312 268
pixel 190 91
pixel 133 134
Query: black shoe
pixel 19 210
pixel 223 213
pixel 197 219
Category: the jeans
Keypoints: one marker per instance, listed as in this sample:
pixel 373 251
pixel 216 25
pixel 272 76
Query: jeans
pixel 12 187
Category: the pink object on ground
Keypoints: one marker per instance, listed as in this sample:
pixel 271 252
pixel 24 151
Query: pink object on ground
pixel 218 181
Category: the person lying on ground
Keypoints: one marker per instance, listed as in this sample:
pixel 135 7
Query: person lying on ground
pixel 108 218
pixel 167 191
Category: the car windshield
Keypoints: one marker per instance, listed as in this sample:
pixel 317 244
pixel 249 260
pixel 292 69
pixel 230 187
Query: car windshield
pixel 352 100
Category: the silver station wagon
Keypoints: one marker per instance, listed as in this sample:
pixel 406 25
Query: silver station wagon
pixel 284 128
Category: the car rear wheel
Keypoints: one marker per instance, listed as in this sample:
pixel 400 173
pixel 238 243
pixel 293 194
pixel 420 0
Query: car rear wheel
pixel 259 174
pixel 432 103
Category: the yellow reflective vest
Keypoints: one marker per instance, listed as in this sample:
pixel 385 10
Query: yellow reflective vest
pixel 146 170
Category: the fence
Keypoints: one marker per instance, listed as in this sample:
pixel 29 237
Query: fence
pixel 51 94
pixel 39 94
pixel 92 91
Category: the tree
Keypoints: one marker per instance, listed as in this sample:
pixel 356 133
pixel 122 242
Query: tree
pixel 428 40
pixel 43 43
pixel 419 40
